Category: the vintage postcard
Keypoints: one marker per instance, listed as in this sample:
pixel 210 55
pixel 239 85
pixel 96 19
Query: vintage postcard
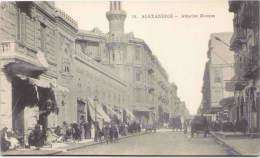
pixel 130 78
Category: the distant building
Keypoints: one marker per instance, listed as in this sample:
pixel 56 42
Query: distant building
pixel 218 71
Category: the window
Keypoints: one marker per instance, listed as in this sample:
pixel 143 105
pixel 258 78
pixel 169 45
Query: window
pixel 24 12
pixel 217 77
pixel 138 54
pixel 79 82
pixel 43 36
pixel 138 76
pixel 66 68
pixel 24 7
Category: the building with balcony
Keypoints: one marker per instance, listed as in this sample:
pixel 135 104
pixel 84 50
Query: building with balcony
pixel 245 44
pixel 218 71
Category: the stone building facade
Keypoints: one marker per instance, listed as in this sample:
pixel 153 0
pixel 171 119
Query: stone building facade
pixel 245 44
pixel 44 54
pixel 218 71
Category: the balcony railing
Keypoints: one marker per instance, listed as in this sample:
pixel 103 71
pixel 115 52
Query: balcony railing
pixel 237 40
pixel 250 70
pixel 16 50
pixel 7 48
pixel 234 5
pixel 251 67
pixel 250 16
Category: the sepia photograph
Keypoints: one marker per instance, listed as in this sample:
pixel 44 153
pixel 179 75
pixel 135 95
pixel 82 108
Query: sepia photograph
pixel 130 78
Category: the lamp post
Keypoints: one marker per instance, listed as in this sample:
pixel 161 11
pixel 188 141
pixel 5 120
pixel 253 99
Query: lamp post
pixel 220 40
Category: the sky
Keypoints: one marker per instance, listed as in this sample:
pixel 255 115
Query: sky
pixel 180 44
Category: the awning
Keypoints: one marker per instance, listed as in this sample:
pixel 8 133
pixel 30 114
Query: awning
pixel 236 83
pixel 227 102
pixel 130 116
pixel 112 113
pixel 43 83
pixel 97 110
pixel 42 90
pixel 36 82
pixel 213 110
pixel 24 68
pixel 142 109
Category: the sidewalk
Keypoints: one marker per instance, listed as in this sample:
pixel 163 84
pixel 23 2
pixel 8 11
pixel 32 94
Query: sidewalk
pixel 61 147
pixel 242 145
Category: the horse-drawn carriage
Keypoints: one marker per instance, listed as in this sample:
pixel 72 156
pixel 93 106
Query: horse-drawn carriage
pixel 199 124
pixel 175 123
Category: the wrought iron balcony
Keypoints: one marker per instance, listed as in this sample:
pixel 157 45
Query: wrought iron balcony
pixel 240 85
pixel 250 69
pixel 249 17
pixel 234 5
pixel 237 40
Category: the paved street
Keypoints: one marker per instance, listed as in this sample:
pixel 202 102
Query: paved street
pixel 164 142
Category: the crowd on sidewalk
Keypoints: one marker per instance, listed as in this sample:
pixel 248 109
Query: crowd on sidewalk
pixel 74 132
pixel 227 126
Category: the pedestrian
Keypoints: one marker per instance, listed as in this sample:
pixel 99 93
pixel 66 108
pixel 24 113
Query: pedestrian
pixel 73 132
pixel 244 125
pixel 38 136
pixel 185 127
pixel 115 133
pixel 87 127
pixel 51 137
pixel 206 126
pixel 5 144
pixel 82 131
pixel 60 134
pixel 111 134
pixel 58 130
pixel 12 138
pixel 106 132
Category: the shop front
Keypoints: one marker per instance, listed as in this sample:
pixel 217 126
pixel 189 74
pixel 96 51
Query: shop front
pixel 96 115
pixel 32 99
pixel 143 115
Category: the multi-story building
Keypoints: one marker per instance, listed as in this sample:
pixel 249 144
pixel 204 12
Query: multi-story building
pixel 52 70
pixel 218 70
pixel 245 44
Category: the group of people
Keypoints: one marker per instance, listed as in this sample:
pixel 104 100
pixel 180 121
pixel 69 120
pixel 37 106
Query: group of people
pixel 110 131
pixel 9 139
pixel 39 136
pixel 228 126
pixel 74 131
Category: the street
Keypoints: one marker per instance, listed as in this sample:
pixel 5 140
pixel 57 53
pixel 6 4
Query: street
pixel 164 142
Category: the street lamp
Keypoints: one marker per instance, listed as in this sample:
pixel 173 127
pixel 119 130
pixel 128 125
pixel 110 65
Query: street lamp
pixel 220 40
